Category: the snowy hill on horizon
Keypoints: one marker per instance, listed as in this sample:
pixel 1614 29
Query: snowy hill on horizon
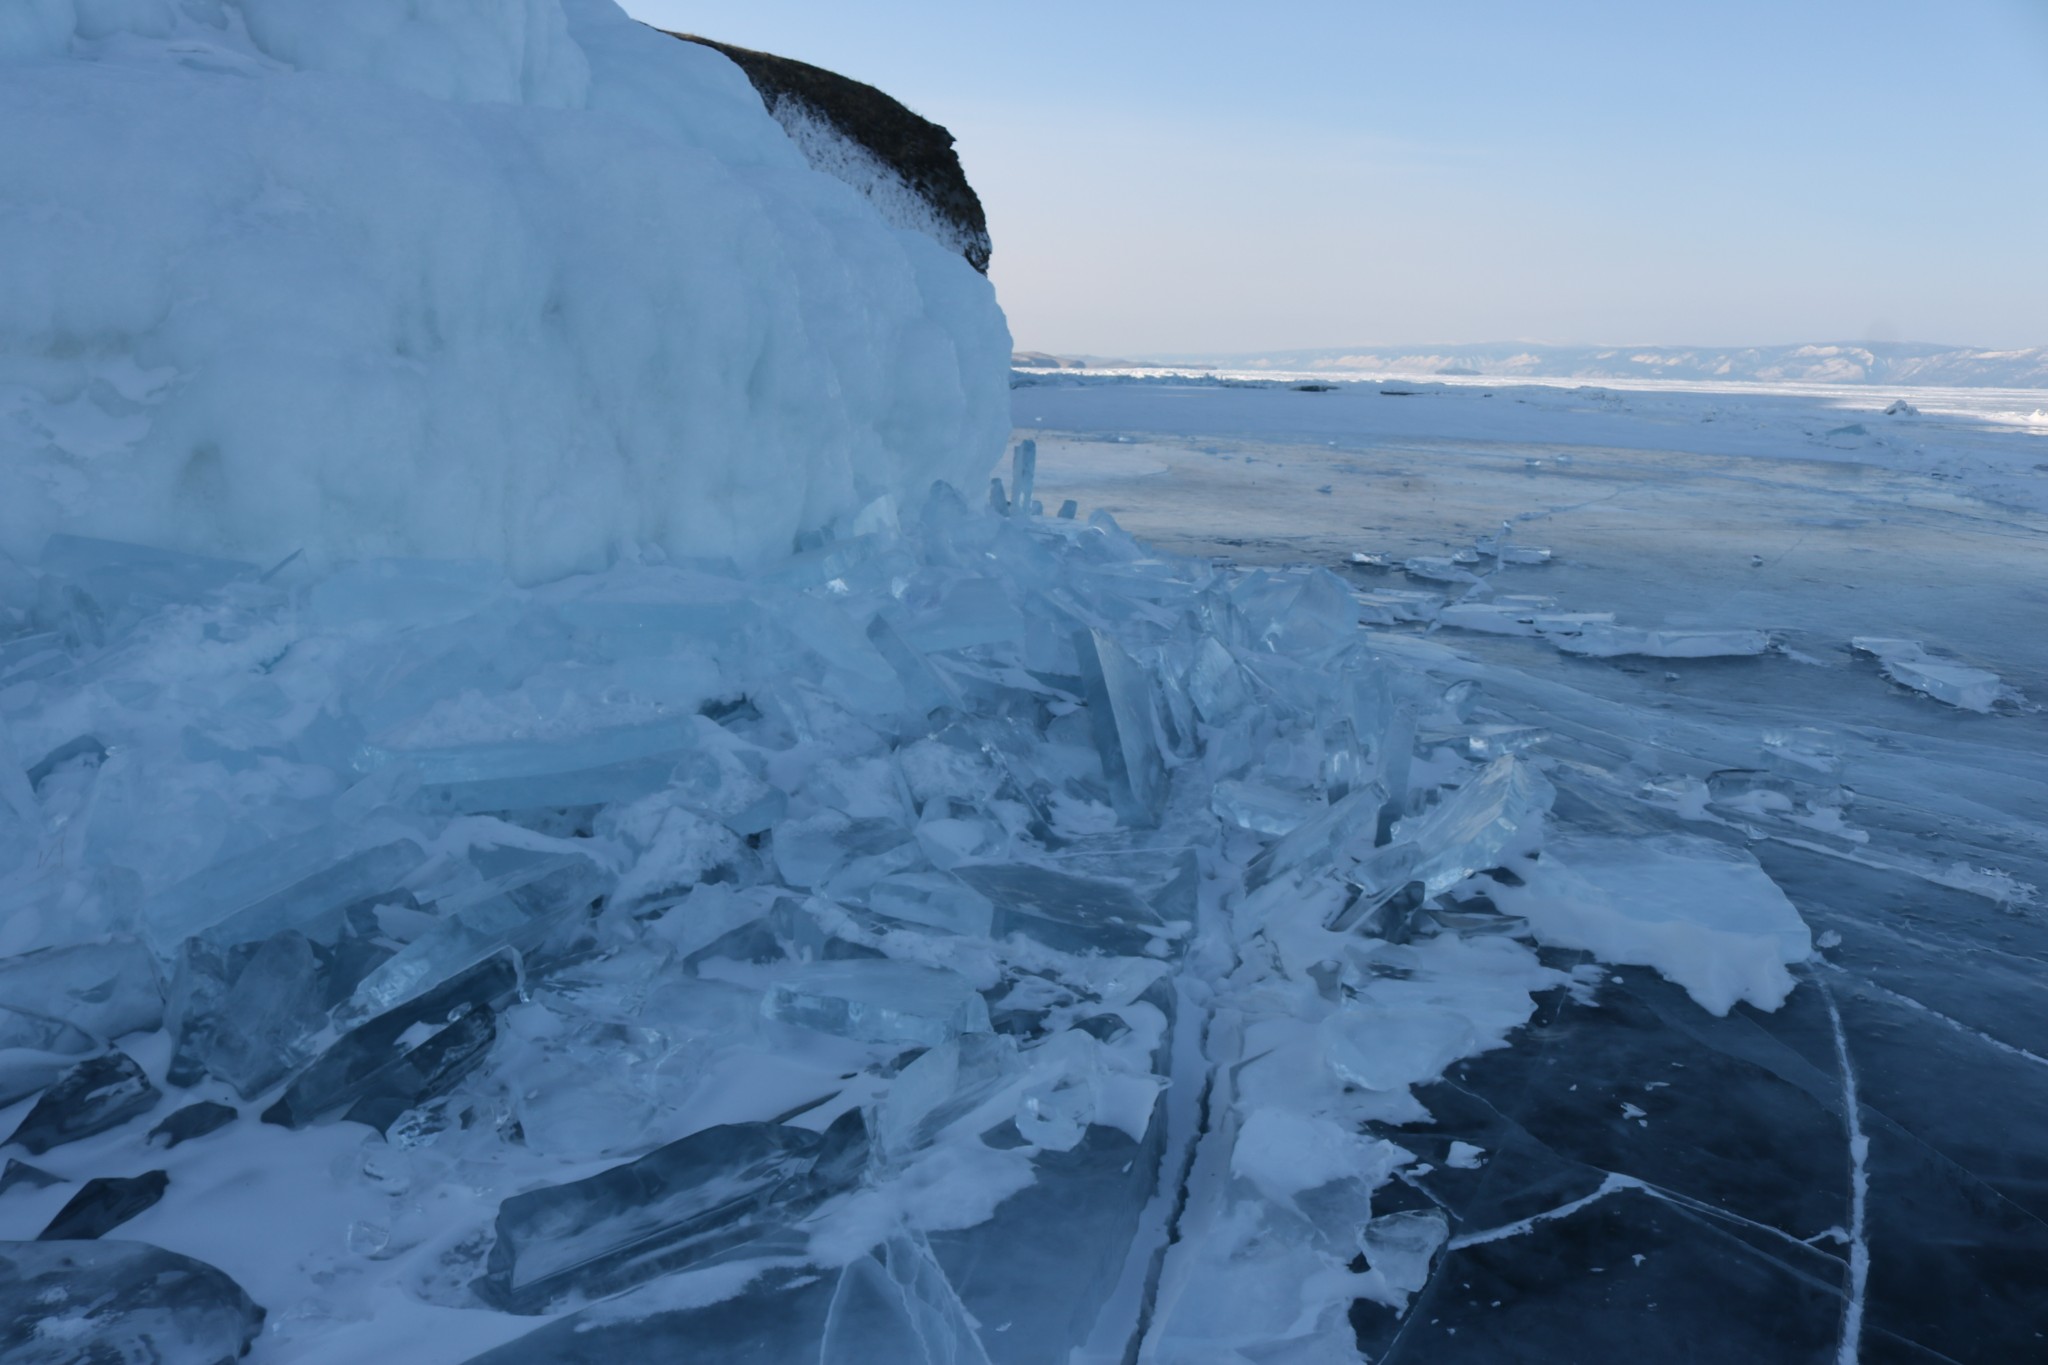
pixel 1861 362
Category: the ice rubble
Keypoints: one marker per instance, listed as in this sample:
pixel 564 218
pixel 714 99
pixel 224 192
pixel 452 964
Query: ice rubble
pixel 1907 663
pixel 671 934
pixel 528 282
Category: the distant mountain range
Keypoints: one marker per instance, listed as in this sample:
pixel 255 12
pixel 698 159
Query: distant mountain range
pixel 1849 362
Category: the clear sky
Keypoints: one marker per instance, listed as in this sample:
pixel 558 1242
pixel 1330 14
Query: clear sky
pixel 1191 175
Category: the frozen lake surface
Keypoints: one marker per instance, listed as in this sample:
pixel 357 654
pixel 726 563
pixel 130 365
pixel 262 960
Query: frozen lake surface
pixel 1680 1186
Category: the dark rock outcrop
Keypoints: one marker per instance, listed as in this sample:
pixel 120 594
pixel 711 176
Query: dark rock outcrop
pixel 816 106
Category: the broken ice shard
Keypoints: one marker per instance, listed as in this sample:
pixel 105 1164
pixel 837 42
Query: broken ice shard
pixel 93 1096
pixel 62 1303
pixel 876 1000
pixel 241 1015
pixel 692 1201
pixel 1602 640
pixel 1395 606
pixel 234 884
pixel 193 1121
pixel 103 1204
pixel 1346 831
pixel 35 1051
pixel 618 764
pixel 1121 716
pixel 934 900
pixel 512 912
pixel 109 584
pixel 1023 476
pixel 1060 910
pixel 1438 569
pixel 1470 830
pixel 401 1058
pixel 971 611
pixel 1907 663
pixel 946 1084
pixel 1262 809
pixel 250 991
pixel 898 1307
pixel 106 989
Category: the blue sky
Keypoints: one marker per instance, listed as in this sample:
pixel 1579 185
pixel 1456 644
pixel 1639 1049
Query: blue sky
pixel 1201 176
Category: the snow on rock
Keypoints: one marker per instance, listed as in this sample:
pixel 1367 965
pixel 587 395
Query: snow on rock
pixel 527 283
pixel 903 163
pixel 1705 916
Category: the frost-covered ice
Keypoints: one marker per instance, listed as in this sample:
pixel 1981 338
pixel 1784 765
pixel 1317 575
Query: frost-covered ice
pixel 1704 915
pixel 1907 663
pixel 531 283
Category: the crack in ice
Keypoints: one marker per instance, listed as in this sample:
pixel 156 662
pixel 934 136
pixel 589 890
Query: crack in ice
pixel 1613 1184
pixel 1859 1188
pixel 1956 1024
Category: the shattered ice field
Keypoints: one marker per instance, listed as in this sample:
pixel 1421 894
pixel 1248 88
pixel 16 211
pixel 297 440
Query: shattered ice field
pixel 997 938
pixel 580 827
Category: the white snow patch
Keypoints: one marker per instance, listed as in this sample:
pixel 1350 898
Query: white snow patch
pixel 1705 916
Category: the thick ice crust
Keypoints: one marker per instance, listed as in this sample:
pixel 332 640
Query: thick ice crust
pixel 536 286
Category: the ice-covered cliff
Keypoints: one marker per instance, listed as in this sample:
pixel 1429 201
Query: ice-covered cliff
pixel 526 282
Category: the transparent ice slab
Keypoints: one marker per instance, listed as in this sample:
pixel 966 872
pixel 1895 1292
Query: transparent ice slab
pixel 1603 640
pixel 511 913
pixel 696 1199
pixel 876 1000
pixel 1063 911
pixel 606 765
pixel 400 1058
pixel 896 1304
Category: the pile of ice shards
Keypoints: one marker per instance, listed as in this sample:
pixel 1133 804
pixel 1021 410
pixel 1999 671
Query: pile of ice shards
pixel 980 939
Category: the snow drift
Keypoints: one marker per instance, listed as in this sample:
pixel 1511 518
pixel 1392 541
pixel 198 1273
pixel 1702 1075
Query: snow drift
pixel 524 282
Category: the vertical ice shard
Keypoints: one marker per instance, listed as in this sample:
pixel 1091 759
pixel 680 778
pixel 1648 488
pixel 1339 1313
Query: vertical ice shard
pixel 694 1200
pixel 898 1306
pixel 1121 716
pixel 1023 477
